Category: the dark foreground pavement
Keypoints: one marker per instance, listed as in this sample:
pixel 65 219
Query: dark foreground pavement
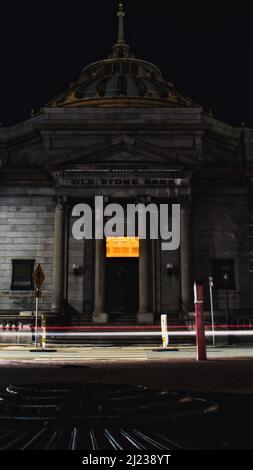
pixel 209 404
pixel 142 366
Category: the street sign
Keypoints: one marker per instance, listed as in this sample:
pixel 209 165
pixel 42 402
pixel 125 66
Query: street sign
pixel 38 277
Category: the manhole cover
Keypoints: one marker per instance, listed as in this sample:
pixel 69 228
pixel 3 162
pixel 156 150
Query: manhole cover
pixel 95 416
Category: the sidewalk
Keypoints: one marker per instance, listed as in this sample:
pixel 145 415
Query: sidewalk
pixel 105 353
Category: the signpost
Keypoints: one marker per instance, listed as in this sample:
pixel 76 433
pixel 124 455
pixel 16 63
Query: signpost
pixel 38 279
pixel 211 285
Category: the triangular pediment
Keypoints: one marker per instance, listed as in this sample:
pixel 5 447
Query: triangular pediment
pixel 121 151
pixel 124 157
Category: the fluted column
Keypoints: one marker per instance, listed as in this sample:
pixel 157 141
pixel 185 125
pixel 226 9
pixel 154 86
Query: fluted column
pixel 145 314
pixel 186 282
pixel 58 258
pixel 99 314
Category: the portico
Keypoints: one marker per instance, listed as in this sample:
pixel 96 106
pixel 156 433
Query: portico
pixel 143 272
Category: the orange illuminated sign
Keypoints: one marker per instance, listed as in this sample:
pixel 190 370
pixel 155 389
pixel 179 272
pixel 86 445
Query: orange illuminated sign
pixel 122 247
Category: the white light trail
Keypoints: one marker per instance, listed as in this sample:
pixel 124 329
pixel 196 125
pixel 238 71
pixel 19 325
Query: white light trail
pixel 129 334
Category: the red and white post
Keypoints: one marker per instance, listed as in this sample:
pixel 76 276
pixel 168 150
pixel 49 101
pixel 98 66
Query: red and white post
pixel 200 322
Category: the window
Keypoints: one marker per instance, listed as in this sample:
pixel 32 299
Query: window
pixel 22 271
pixel 223 272
pixel 122 247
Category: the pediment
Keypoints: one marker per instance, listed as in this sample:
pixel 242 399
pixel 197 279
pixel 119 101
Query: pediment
pixel 123 157
pixel 122 152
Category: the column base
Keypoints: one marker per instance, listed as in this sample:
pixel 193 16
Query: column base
pixel 145 317
pixel 55 313
pixel 100 317
pixel 57 308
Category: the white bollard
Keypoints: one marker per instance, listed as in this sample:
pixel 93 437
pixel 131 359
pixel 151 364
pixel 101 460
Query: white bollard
pixel 164 327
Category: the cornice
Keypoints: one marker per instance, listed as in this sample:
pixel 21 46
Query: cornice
pixel 113 128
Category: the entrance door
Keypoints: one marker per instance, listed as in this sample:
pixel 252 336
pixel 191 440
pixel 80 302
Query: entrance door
pixel 123 285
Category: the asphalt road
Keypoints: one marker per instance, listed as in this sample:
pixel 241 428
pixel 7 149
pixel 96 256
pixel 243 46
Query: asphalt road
pixel 227 370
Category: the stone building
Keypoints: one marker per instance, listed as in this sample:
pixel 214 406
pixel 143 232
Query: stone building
pixel 122 131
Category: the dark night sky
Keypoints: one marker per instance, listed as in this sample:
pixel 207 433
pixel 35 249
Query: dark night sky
pixel 206 52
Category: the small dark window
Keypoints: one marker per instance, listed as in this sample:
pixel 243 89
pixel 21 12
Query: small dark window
pixel 22 271
pixel 223 272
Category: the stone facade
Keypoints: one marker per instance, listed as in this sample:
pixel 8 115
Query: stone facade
pixel 26 233
pixel 63 146
pixel 147 143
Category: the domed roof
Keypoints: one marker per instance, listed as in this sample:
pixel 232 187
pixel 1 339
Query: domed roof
pixel 121 80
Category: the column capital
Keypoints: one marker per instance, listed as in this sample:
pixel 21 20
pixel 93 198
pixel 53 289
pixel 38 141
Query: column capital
pixel 60 202
pixel 144 200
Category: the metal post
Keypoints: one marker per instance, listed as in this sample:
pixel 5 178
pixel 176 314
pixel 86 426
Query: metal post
pixel 44 332
pixel 227 281
pixel 212 309
pixel 36 319
pixel 200 322
pixel 227 316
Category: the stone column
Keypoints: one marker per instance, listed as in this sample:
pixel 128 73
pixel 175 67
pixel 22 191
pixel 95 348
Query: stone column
pixel 186 282
pixel 99 314
pixel 145 314
pixel 58 259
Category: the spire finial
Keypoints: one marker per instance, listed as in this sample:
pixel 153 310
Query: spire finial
pixel 121 14
pixel 121 49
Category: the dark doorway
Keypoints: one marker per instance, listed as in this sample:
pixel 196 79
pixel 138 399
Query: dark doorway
pixel 123 285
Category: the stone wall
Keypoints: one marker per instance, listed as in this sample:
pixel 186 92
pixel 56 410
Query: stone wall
pixel 221 229
pixel 26 232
